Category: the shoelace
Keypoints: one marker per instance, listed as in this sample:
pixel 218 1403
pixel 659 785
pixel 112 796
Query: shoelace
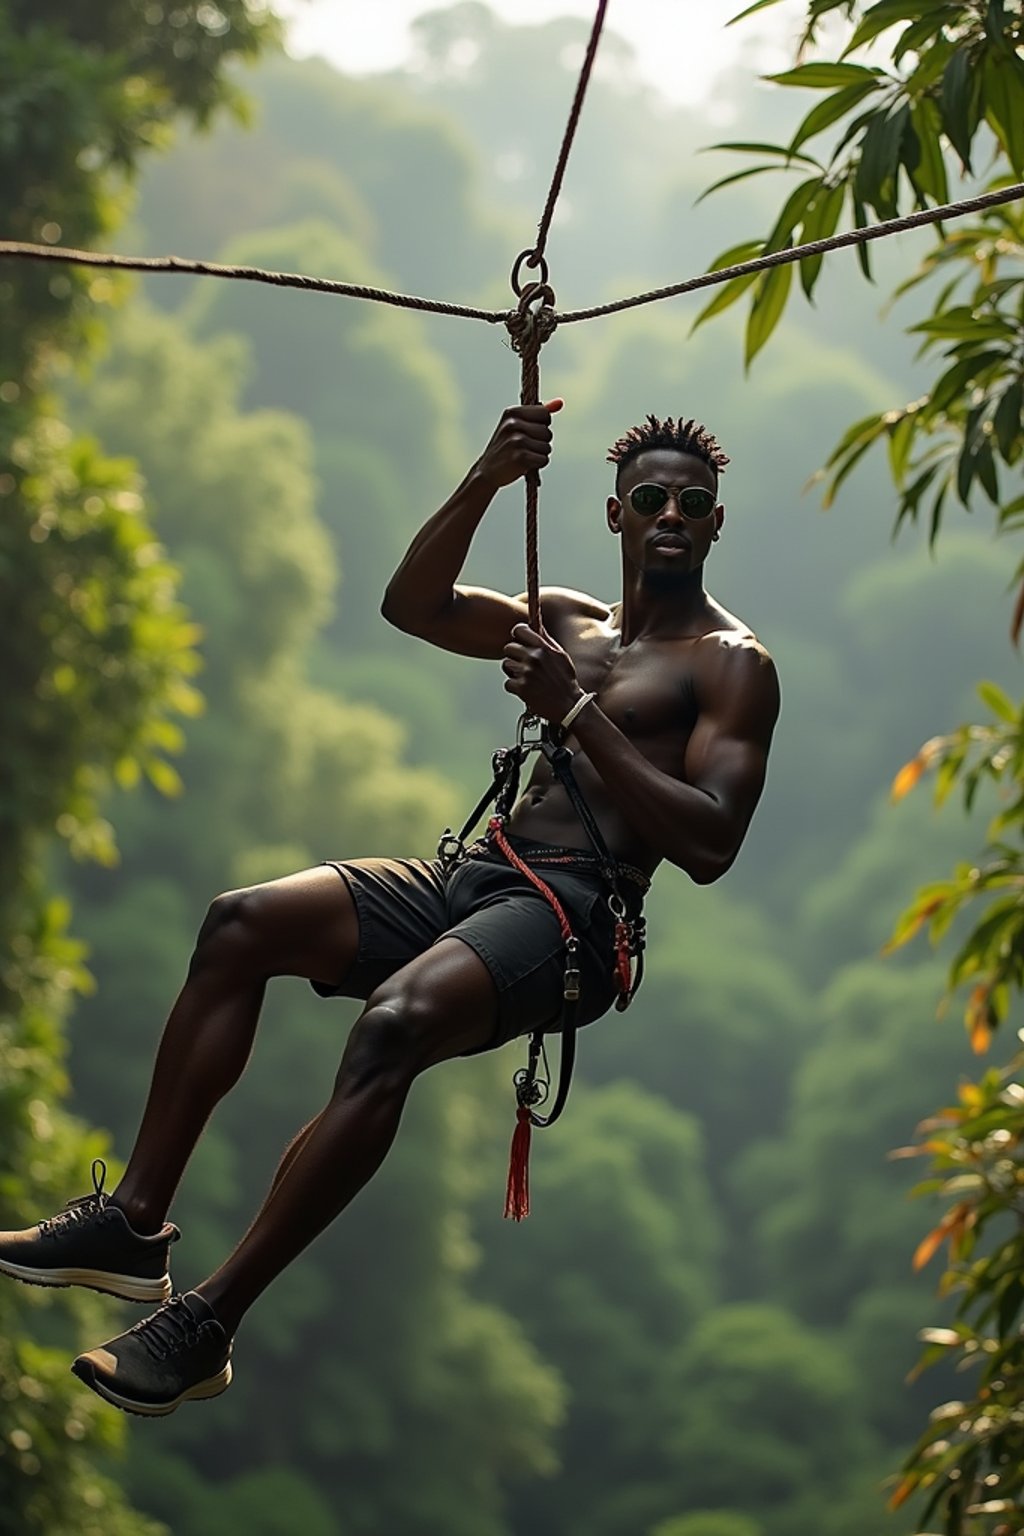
pixel 83 1207
pixel 172 1328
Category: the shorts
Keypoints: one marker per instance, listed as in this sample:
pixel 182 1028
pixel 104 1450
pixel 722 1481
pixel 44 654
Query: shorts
pixel 405 906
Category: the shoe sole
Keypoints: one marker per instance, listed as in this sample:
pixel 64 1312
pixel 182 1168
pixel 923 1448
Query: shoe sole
pixel 212 1387
pixel 127 1287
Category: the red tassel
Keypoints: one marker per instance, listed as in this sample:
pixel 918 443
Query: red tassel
pixel 517 1193
pixel 623 969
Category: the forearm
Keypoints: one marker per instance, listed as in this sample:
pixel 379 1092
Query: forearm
pixel 422 587
pixel 685 825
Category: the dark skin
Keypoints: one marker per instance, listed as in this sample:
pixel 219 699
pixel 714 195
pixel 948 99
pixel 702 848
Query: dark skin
pixel 671 756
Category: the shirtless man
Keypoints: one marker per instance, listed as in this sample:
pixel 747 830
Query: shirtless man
pixel 670 753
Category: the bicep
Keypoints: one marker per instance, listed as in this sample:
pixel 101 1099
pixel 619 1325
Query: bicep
pixel 477 622
pixel 727 753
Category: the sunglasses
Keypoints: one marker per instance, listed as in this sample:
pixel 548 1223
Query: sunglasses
pixel 694 502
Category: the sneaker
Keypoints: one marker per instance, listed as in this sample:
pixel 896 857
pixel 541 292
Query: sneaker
pixel 181 1352
pixel 90 1243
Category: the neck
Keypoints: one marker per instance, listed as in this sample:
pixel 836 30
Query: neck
pixel 661 602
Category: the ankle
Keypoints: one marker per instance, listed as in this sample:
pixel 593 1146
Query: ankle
pixel 143 1220
pixel 228 1317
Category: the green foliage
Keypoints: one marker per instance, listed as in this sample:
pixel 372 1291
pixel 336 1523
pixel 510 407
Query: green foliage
pixel 98 660
pixel 376 1390
pixel 784 1399
pixel 709 1522
pixel 956 83
pixel 955 68
pixel 85 93
pixel 969 1459
pixel 100 656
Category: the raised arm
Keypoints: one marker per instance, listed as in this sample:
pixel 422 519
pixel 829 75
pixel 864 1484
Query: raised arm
pixel 422 597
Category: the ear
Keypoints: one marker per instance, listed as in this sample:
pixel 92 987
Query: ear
pixel 613 511
pixel 719 520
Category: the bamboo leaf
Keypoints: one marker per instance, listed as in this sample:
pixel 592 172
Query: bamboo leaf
pixel 1012 511
pixel 745 147
pixel 878 18
pixel 985 470
pixel 725 181
pixel 1007 420
pixel 930 176
pixel 767 308
pixel 955 105
pixel 823 76
pixel 759 5
pixel 863 251
pixel 792 214
pixel 875 181
pixel 820 225
pixel 1004 98
pixel 832 109
pixel 1017 622
pixel 726 296
pixel 868 427
pixel 922 31
pixel 901 440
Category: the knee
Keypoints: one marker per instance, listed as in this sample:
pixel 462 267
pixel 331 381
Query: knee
pixel 389 1044
pixel 231 930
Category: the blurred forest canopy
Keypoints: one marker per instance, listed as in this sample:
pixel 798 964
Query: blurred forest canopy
pixel 705 1327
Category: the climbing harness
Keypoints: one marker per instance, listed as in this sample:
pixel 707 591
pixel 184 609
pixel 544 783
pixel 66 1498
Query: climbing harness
pixel 533 1082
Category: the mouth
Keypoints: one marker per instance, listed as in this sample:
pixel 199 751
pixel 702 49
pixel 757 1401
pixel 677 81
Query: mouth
pixel 671 544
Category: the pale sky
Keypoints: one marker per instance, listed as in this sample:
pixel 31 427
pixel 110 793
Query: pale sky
pixel 680 44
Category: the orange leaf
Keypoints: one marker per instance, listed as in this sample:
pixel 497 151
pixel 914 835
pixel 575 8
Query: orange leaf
pixel 909 775
pixel 978 1019
pixel 903 1492
pixel 929 1246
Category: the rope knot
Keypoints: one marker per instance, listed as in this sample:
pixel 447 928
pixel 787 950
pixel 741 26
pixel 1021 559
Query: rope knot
pixel 533 321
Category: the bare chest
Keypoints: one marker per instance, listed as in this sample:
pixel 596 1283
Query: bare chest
pixel 647 689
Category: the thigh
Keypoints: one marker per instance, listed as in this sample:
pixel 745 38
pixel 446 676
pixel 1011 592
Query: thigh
pixel 400 911
pixel 304 924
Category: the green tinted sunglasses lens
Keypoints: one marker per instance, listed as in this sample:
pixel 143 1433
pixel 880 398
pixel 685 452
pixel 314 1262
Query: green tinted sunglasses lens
pixel 696 503
pixel 648 499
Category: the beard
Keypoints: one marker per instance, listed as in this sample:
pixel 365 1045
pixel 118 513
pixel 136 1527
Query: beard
pixel 666 583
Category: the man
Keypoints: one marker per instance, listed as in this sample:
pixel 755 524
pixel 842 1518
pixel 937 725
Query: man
pixel 669 702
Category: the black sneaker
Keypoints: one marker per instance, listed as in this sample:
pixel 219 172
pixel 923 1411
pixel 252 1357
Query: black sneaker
pixel 181 1352
pixel 90 1243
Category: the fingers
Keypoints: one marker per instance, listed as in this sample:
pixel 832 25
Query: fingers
pixel 525 636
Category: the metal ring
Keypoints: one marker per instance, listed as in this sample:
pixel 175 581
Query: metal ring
pixel 532 259
pixel 616 905
pixel 535 293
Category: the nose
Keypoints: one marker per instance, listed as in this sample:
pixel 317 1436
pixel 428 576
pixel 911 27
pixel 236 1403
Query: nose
pixel 673 503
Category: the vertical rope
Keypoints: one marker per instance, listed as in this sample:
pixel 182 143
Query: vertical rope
pixel 529 327
pixel 529 394
pixel 536 255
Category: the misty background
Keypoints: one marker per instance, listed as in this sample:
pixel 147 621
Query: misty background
pixel 705 1327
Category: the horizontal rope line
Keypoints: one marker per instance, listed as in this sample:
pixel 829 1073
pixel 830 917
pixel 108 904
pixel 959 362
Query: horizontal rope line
pixel 187 266
pixel 11 248
pixel 799 252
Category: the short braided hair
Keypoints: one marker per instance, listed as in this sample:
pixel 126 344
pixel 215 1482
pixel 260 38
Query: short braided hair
pixel 684 436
